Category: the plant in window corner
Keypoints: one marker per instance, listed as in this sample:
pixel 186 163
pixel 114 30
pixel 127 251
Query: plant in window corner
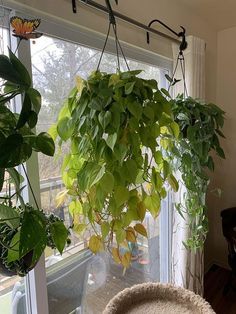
pixel 25 230
pixel 192 155
pixel 114 125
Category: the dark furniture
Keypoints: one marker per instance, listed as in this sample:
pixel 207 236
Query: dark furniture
pixel 229 231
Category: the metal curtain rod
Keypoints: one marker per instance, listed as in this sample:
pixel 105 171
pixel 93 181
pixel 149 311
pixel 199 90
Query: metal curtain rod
pixel 127 19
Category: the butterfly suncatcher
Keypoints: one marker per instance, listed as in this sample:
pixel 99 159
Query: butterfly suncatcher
pixel 24 28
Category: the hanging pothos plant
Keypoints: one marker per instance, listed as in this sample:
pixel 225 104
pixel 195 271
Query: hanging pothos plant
pixel 191 154
pixel 115 126
pixel 24 230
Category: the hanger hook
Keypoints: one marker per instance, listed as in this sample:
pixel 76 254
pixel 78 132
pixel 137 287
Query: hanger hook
pixel 183 44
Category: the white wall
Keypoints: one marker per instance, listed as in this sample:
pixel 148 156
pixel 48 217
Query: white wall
pixel 225 175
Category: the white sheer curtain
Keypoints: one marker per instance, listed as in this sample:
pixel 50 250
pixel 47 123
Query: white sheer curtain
pixel 187 266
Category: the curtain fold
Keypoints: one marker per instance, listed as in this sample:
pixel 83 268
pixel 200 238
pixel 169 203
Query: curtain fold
pixel 188 266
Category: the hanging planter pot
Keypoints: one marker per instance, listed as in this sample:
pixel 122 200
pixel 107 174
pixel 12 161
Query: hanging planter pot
pixel 19 248
pixel 4 271
pixel 20 267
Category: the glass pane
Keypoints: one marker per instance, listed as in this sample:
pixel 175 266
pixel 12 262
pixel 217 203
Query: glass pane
pixel 78 280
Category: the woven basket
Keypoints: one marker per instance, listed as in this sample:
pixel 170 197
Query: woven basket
pixel 155 298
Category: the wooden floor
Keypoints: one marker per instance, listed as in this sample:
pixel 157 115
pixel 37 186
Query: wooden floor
pixel 114 282
pixel 215 280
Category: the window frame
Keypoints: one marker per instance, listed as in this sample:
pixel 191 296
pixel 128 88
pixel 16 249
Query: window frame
pixel 35 281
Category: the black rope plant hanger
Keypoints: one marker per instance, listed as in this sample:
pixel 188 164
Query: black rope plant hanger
pixel 112 23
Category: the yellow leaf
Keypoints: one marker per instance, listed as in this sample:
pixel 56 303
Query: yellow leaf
pixel 114 79
pixel 153 203
pixel 79 84
pixel 75 208
pixel 124 245
pixel 141 210
pixel 130 235
pixel 125 259
pixel 165 143
pixel 79 228
pixel 164 130
pixel 95 244
pixel 140 229
pixel 67 180
pixel 60 198
pixel 116 255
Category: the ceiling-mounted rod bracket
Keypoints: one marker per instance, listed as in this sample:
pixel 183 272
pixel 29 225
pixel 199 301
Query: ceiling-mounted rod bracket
pixel 182 34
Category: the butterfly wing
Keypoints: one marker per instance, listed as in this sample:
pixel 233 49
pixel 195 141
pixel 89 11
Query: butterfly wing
pixel 23 28
pixel 17 24
pixel 33 35
pixel 31 24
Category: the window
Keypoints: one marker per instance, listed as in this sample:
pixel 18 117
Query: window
pixel 78 280
pixel 55 63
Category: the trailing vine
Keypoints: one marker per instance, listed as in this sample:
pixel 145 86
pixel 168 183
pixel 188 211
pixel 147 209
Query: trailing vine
pixel 200 131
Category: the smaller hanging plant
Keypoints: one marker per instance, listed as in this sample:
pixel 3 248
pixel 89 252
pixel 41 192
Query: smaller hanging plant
pixel 19 253
pixel 200 131
pixel 115 126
